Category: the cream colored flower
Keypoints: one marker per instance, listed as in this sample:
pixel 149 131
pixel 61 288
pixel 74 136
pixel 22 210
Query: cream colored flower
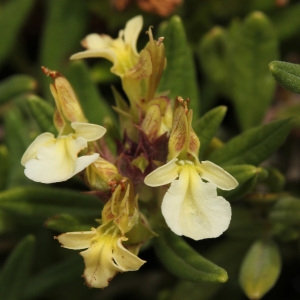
pixel 105 255
pixel 121 51
pixel 191 206
pixel 49 159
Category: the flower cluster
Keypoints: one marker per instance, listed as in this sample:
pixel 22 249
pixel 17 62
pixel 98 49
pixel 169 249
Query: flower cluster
pixel 191 206
pixel 49 159
pixel 158 147
pixel 105 255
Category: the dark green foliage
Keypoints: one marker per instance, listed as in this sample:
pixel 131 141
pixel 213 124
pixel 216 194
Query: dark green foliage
pixel 223 55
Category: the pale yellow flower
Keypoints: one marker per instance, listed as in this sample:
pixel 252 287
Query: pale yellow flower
pixel 191 206
pixel 105 255
pixel 121 51
pixel 49 159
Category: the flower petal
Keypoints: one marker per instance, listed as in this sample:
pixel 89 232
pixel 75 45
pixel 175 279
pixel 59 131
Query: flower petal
pixel 76 240
pixel 42 140
pixel 216 175
pixel 107 53
pixel 96 41
pixel 99 265
pixel 83 161
pixel 173 201
pixel 163 175
pixel 126 260
pixel 58 161
pixel 90 132
pixel 132 30
pixel 193 209
pixel 105 256
pixel 121 51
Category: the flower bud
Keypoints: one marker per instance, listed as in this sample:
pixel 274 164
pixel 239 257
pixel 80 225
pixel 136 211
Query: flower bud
pixel 67 104
pixel 158 118
pixel 183 142
pixel 152 122
pixel 122 207
pixel 141 81
pixel 100 174
pixel 156 51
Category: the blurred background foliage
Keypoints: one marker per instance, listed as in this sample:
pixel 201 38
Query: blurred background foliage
pixel 218 53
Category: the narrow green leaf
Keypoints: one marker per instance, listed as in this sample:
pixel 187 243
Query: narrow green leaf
pixel 253 45
pixel 67 223
pixel 247 176
pixel 183 261
pixel 15 85
pixel 260 269
pixel 206 127
pixel 15 272
pixel 64 29
pixel 40 202
pixel 42 112
pixel 179 76
pixel 15 140
pixel 12 16
pixel 253 146
pixel 212 53
pixel 227 252
pixel 54 276
pixel 93 103
pixel 287 74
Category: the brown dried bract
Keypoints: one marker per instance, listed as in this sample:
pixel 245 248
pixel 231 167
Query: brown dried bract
pixel 162 8
pixel 281 3
pixel 120 4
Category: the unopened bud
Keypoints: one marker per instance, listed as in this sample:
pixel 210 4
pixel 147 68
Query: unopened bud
pixel 101 174
pixel 122 207
pixel 183 140
pixel 67 104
